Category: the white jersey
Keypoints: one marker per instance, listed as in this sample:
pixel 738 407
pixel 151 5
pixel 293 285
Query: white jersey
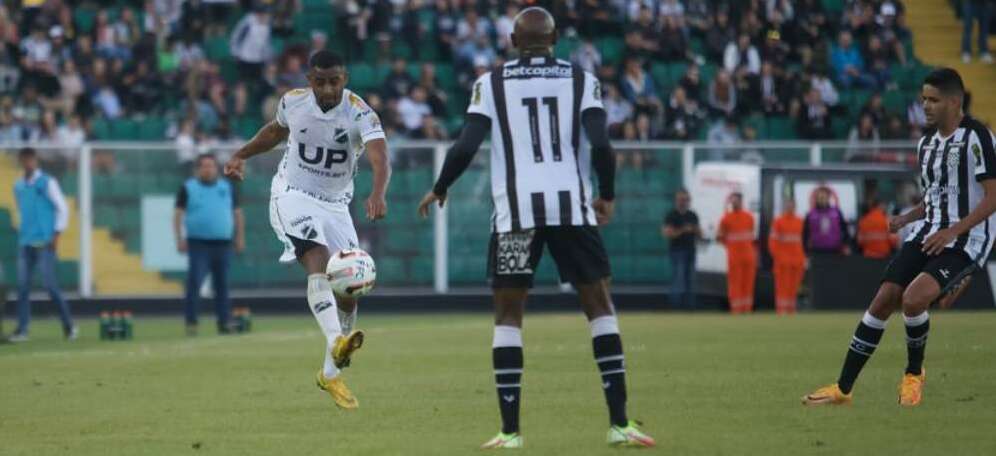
pixel 323 147
pixel 951 170
pixel 540 162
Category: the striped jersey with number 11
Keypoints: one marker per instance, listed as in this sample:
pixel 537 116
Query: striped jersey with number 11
pixel 540 161
pixel 951 171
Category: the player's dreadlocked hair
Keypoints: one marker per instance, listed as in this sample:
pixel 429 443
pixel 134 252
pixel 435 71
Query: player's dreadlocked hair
pixel 325 59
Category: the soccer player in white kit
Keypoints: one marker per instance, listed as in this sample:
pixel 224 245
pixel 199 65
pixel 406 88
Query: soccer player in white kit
pixel 327 128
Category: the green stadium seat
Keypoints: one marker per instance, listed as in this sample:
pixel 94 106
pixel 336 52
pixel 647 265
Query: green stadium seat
pixel 676 71
pixel 895 101
pixel 216 48
pixel 611 48
pixel 564 47
pixel 780 127
pixel 833 7
pixel 84 19
pixel 100 128
pixel 152 128
pixel 661 74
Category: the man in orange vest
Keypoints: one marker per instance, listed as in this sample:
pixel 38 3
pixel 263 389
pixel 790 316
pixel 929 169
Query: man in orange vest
pixel 736 231
pixel 785 246
pixel 874 237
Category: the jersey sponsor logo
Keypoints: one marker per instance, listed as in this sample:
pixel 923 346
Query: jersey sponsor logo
pixel 328 156
pixel 514 252
pixel 556 71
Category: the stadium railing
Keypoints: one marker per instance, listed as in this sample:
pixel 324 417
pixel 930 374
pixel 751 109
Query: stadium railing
pixel 122 196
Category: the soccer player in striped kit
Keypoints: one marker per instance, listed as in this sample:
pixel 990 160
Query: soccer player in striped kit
pixel 954 232
pixel 540 182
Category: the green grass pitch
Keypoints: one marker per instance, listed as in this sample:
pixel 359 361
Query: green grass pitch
pixel 702 384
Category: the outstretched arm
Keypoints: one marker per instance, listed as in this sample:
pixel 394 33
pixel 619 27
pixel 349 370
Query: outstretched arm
pixel 377 154
pixel 458 158
pixel 265 140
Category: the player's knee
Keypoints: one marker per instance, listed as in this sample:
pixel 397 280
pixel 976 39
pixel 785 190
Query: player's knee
pixel 915 302
pixel 888 299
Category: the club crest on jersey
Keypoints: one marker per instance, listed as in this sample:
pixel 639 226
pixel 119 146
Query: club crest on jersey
pixel 340 135
pixel 954 157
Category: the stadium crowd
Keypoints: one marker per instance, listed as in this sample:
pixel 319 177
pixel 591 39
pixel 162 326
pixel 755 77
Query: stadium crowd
pixel 61 71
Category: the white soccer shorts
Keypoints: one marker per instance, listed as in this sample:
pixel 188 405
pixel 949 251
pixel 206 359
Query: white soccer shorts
pixel 306 218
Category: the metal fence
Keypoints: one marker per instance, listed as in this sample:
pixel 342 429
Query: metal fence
pixel 123 197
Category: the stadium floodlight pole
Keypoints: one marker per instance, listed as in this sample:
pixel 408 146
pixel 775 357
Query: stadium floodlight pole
pixel 85 192
pixel 440 232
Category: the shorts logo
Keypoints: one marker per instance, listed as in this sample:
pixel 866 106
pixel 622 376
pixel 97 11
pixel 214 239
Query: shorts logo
pixel 944 272
pixel 322 306
pixel 309 232
pixel 513 253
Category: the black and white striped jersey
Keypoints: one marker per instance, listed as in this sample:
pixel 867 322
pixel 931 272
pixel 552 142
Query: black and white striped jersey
pixel 540 163
pixel 951 169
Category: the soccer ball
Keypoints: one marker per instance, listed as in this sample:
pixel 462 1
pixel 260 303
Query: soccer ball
pixel 351 272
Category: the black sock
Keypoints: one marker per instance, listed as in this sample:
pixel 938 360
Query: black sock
pixel 866 338
pixel 609 357
pixel 508 375
pixel 916 342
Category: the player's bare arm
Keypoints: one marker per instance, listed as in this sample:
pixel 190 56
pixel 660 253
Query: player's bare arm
pixel 268 137
pixel 898 222
pixel 377 154
pixel 934 244
pixel 457 160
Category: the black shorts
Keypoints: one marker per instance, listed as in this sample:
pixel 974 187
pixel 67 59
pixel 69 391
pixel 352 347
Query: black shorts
pixel 911 261
pixel 578 252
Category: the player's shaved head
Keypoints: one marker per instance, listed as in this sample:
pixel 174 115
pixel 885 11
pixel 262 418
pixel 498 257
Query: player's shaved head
pixel 535 32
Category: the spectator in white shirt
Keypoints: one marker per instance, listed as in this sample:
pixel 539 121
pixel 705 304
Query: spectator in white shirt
pixel 250 43
pixel 742 55
pixel 587 56
pixel 413 109
pixel 504 26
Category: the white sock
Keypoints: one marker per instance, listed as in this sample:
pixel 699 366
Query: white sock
pixel 322 304
pixel 348 320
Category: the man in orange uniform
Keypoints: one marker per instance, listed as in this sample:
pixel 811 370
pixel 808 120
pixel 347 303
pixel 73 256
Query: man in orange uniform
pixel 785 245
pixel 874 237
pixel 736 231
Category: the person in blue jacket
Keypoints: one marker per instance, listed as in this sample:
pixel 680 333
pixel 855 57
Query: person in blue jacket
pixel 44 216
